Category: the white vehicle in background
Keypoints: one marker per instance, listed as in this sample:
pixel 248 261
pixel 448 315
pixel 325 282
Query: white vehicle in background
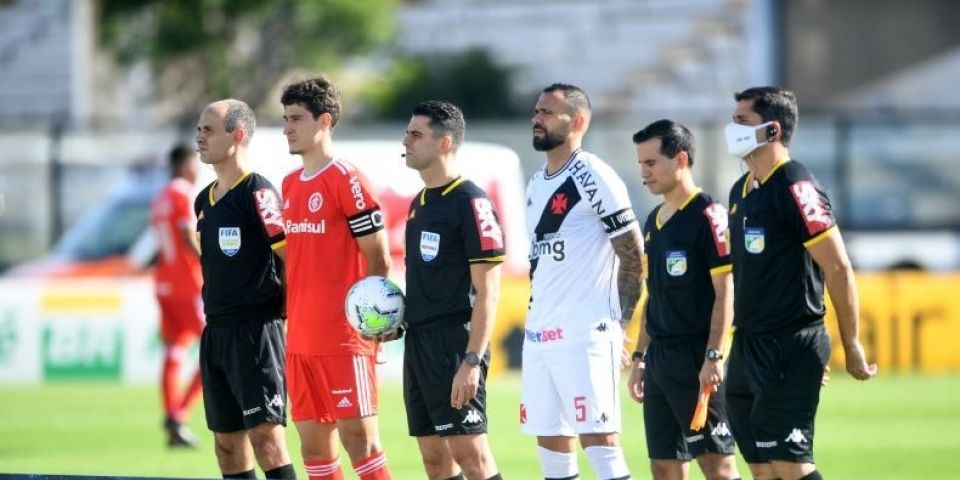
pixel 87 310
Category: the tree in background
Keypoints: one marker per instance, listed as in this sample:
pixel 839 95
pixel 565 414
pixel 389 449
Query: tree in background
pixel 199 50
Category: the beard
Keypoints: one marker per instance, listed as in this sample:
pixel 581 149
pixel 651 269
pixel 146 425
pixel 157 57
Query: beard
pixel 549 140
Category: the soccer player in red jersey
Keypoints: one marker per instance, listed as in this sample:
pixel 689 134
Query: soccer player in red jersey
pixel 177 281
pixel 335 236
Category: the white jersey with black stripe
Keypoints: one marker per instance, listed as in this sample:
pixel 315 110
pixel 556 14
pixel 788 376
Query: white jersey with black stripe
pixel 571 217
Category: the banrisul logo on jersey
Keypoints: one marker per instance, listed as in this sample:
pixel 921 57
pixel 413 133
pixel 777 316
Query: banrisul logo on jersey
pixel 82 335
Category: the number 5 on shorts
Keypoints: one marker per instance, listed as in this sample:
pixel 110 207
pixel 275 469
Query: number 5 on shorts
pixel 580 406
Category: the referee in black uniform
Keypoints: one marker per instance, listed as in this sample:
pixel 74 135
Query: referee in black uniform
pixel 454 248
pixel 688 312
pixel 241 234
pixel 785 248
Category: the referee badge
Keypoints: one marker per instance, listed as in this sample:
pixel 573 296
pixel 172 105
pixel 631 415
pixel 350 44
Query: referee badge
pixel 229 240
pixel 429 245
pixel 676 262
pixel 753 239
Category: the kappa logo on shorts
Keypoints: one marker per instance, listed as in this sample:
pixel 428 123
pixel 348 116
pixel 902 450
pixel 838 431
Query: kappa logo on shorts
pixel 276 401
pixel 472 418
pixel 721 430
pixel 344 403
pixel 229 240
pixel 796 436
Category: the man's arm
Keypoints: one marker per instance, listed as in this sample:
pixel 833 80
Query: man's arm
pixel 485 277
pixel 635 382
pixel 376 253
pixel 831 256
pixel 629 249
pixel 188 233
pixel 721 319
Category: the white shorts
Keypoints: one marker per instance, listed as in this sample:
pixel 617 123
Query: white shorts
pixel 571 390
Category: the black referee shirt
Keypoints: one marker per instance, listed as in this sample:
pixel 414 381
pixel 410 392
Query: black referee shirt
pixel 777 284
pixel 681 256
pixel 238 234
pixel 448 228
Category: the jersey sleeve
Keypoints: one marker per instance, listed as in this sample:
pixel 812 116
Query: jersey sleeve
pixel 266 202
pixel 481 230
pixel 360 207
pixel 607 195
pixel 183 215
pixel 806 208
pixel 715 240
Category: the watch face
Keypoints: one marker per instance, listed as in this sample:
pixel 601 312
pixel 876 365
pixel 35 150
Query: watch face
pixel 714 354
pixel 471 359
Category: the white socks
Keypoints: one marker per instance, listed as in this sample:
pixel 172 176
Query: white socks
pixel 608 462
pixel 557 464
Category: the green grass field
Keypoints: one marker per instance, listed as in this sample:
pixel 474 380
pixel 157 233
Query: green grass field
pixel 890 428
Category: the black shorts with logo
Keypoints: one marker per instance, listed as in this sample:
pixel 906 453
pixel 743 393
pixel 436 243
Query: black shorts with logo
pixel 431 357
pixel 773 389
pixel 671 389
pixel 242 366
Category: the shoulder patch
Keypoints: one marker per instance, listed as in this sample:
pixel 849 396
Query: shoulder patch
pixel 718 222
pixel 268 206
pixel 812 209
pixel 491 235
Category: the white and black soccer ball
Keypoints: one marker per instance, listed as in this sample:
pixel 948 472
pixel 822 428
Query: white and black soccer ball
pixel 374 306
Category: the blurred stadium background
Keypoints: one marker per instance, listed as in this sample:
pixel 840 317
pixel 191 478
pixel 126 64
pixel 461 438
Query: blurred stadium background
pixel 94 92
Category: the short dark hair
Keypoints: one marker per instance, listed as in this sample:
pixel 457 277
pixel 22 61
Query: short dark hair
pixel 674 138
pixel 179 155
pixel 318 95
pixel 574 96
pixel 445 119
pixel 774 103
pixel 239 114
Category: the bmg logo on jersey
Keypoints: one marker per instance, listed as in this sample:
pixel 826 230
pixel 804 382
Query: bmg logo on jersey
pixel 551 245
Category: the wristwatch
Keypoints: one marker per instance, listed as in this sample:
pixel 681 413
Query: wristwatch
pixel 714 355
pixel 638 356
pixel 471 359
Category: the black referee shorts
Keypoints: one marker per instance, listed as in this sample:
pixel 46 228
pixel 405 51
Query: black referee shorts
pixel 242 366
pixel 773 389
pixel 671 389
pixel 431 357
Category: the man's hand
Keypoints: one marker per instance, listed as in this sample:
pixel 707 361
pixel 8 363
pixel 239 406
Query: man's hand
pixel 711 376
pixel 627 352
pixel 635 382
pixel 857 362
pixel 465 385
pixel 387 336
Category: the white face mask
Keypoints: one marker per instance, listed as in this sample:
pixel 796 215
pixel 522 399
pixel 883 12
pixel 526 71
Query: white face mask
pixel 742 139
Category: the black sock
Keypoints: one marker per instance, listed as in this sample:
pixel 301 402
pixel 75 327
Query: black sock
pixel 285 471
pixel 814 475
pixel 572 477
pixel 496 477
pixel 247 474
pixel 459 476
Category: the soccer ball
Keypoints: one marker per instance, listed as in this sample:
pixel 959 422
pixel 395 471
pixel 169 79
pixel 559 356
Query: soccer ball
pixel 374 306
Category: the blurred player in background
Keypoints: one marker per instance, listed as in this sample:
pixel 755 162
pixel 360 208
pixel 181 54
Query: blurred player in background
pixel 335 236
pixel 455 248
pixel 585 270
pixel 241 232
pixel 687 316
pixel 785 247
pixel 177 280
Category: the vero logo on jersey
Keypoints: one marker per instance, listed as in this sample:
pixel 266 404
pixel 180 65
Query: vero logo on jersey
pixel 812 210
pixel 558 204
pixel 718 220
pixel 491 236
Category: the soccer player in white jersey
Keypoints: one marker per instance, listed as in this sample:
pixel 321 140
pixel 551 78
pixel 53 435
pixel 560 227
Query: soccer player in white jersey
pixel 585 270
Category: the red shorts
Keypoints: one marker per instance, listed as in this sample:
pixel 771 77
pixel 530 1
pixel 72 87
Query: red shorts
pixel 328 388
pixel 181 320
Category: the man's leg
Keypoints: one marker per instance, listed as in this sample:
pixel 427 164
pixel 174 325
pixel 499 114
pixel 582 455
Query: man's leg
pixel 361 440
pixel 670 469
pixel 558 457
pixel 270 448
pixel 437 459
pixel 794 471
pixel 472 453
pixel 718 466
pixel 605 455
pixel 318 447
pixel 234 453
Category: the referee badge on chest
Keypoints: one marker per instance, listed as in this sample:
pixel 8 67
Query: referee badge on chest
pixel 429 245
pixel 676 262
pixel 753 239
pixel 229 240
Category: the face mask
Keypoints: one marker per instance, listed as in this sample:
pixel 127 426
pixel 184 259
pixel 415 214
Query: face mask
pixel 742 139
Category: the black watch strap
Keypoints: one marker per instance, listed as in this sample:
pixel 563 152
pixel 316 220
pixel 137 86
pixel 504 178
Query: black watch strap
pixel 638 356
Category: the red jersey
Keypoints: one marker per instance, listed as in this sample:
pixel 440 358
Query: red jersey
pixel 177 273
pixel 324 213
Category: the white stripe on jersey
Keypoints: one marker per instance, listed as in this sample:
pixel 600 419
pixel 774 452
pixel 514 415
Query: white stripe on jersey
pixel 573 265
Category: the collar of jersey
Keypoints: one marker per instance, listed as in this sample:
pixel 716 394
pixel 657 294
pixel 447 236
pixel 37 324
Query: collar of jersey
pixel 547 176
pixel 449 188
pixel 307 178
pixel 213 186
pixel 682 206
pixel 743 192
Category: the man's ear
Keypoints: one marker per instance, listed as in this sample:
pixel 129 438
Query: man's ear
pixel 683 159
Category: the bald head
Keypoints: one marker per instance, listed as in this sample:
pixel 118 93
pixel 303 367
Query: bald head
pixel 236 114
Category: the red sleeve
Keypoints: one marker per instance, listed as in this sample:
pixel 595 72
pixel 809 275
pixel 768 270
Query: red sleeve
pixel 359 205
